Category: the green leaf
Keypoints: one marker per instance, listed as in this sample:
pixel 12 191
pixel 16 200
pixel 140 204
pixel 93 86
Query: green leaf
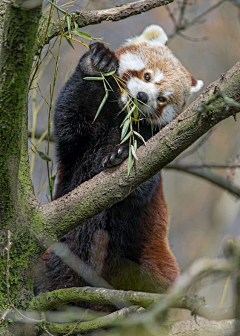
pixel 101 105
pixel 109 73
pixel 83 35
pixel 125 128
pixel 125 106
pixel 57 7
pixel 135 145
pixel 140 137
pixel 75 26
pixel 105 83
pixel 94 78
pixel 126 137
pixel 136 111
pixel 130 160
pixel 128 115
pixel 43 156
pixel 69 42
pixel 69 25
pixel 134 153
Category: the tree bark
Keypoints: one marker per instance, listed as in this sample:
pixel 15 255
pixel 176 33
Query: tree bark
pixel 19 31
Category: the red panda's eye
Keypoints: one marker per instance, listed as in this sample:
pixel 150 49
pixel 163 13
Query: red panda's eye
pixel 147 77
pixel 162 99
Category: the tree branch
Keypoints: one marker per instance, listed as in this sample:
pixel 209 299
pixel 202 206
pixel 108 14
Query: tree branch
pixel 85 18
pixel 101 322
pixel 93 196
pixel 160 302
pixel 196 304
pixel 209 176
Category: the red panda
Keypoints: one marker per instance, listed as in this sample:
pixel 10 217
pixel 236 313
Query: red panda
pixel 126 246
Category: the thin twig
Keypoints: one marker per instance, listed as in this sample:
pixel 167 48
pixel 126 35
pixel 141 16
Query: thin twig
pixel 196 19
pixel 210 177
pixel 201 165
pixel 182 12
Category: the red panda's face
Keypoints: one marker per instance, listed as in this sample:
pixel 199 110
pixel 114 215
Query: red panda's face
pixel 155 77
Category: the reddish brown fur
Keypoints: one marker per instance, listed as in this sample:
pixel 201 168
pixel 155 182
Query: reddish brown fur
pixel 157 256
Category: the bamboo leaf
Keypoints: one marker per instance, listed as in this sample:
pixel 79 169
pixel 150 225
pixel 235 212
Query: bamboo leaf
pixel 69 25
pixel 94 78
pixel 75 25
pixel 126 137
pixel 136 111
pixel 134 153
pixel 128 115
pixel 57 7
pixel 140 137
pixel 125 128
pixel 43 156
pixel 69 42
pixel 135 145
pixel 130 160
pixel 83 35
pixel 101 105
pixel 109 73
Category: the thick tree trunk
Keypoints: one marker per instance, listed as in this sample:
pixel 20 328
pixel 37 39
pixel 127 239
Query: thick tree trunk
pixel 18 35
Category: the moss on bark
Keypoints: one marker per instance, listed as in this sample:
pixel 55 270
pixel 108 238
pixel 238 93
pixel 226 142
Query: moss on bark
pixel 17 52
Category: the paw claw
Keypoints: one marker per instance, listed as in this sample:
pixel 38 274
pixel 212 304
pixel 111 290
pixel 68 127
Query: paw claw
pixel 102 58
pixel 116 158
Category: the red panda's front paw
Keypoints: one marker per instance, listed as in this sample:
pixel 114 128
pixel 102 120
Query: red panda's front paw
pixel 115 158
pixel 102 58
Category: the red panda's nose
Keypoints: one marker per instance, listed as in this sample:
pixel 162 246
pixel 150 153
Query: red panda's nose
pixel 142 96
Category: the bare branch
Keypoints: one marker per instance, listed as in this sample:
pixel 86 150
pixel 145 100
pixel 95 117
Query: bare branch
pixel 85 18
pixel 196 20
pixel 210 177
pixel 201 165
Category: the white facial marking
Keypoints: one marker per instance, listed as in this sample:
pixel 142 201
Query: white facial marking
pixel 197 87
pixel 129 61
pixel 158 77
pixel 136 85
pixel 169 113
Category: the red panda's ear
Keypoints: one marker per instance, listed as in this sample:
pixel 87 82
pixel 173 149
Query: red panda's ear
pixel 196 85
pixel 153 34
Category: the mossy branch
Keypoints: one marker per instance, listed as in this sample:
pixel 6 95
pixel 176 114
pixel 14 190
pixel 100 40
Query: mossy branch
pixel 100 322
pixel 196 304
pixel 93 196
